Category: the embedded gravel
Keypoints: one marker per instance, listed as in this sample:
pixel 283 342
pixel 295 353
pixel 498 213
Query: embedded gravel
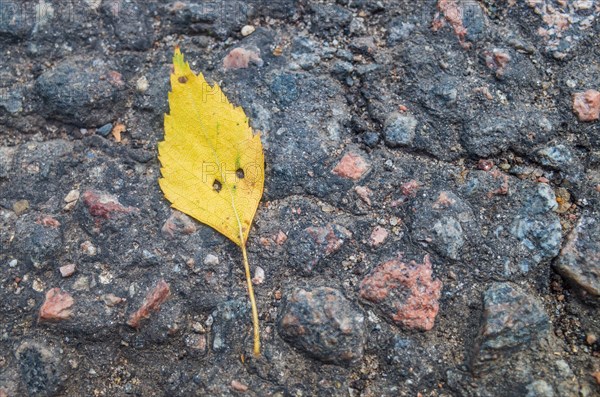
pixel 429 225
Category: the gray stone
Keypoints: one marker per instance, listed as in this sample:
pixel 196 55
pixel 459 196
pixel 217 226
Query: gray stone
pixel 276 8
pixel 105 129
pixel 512 320
pixel 398 31
pixel 307 61
pixel 344 55
pixel 214 18
pixel 578 261
pixel 399 129
pixel 474 20
pixel 558 157
pixel 85 92
pixel 370 138
pixel 323 324
pixel 450 235
pixel 363 45
pixel 539 388
pixel 15 25
pixel 6 158
pixel 37 243
pixel 489 134
pixel 132 24
pixel 329 17
pixel 11 100
pixel 40 368
pixel 443 223
pixel 537 227
pixel 303 45
pixel 227 318
pixel 368 70
pixel 342 69
pixel 285 89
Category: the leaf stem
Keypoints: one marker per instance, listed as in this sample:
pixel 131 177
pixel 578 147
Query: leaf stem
pixel 252 301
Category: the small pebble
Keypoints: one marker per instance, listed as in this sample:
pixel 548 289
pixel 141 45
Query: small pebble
pixel 81 284
pixel 198 327
pixel 248 30
pixel 105 129
pixel 37 285
pixel 20 207
pixel 259 275
pixel 67 270
pixel 111 300
pixel 211 260
pixel 280 238
pixel 591 338
pixel 88 248
pixel 378 236
pixel 237 386
pixel 142 84
pixel 13 263
pixel 73 195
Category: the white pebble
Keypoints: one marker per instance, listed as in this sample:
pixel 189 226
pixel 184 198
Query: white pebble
pixel 248 30
pixel 211 260
pixel 67 270
pixel 142 84
pixel 259 275
pixel 73 195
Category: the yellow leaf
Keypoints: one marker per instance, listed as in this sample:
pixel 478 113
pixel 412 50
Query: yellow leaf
pixel 212 163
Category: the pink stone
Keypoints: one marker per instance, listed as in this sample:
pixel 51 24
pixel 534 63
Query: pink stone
pixel 364 193
pixel 351 166
pixel 67 270
pixel 115 78
pixel 280 238
pixel 57 306
pixel 452 13
pixel 443 201
pixel 378 236
pixel 485 165
pixel 410 188
pixel 240 58
pixel 238 386
pixel 104 205
pixel 49 221
pixel 154 299
pixel 497 60
pixel 586 105
pixel 405 292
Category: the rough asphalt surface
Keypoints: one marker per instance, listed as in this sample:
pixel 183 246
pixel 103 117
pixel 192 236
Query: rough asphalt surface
pixel 430 224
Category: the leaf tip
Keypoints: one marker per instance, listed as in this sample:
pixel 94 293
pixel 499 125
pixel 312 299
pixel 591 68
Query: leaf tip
pixel 178 59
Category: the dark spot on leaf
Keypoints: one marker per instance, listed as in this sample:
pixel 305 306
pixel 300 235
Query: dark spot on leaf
pixel 182 79
pixel 217 186
pixel 239 173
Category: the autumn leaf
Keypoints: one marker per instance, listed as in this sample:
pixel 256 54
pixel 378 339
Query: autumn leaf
pixel 212 162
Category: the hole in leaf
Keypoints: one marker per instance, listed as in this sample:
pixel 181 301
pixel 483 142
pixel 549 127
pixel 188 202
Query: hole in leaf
pixel 239 173
pixel 182 79
pixel 217 186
